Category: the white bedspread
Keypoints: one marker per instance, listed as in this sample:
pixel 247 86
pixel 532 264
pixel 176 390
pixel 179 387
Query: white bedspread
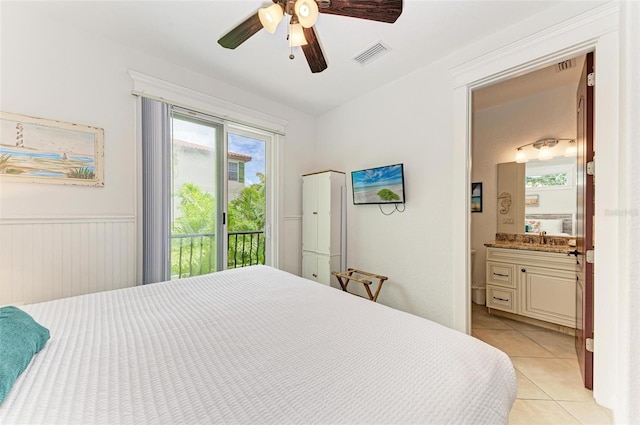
pixel 253 346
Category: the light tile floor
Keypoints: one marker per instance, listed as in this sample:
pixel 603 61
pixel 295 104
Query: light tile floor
pixel 550 389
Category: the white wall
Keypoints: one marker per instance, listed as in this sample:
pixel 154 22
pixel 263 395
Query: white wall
pixel 497 132
pixel 628 213
pixel 421 120
pixel 553 200
pixel 408 121
pixel 53 71
pixel 411 121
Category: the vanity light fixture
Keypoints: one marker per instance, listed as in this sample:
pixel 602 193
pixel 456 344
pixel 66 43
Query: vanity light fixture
pixel 572 149
pixel 545 153
pixel 544 146
pixel 521 157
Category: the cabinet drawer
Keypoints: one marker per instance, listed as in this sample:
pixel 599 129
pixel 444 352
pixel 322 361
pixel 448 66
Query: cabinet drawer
pixel 501 298
pixel 501 274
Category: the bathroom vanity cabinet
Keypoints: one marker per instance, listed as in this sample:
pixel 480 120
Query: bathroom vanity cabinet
pixel 536 284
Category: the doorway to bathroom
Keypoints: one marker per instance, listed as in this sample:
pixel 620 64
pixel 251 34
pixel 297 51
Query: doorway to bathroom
pixel 535 112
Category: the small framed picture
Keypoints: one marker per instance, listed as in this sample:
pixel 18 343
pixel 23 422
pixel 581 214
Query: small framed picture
pixel 476 197
pixel 532 200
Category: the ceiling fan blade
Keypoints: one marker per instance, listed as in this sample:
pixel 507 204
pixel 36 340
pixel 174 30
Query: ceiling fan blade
pixel 373 10
pixel 313 51
pixel 241 33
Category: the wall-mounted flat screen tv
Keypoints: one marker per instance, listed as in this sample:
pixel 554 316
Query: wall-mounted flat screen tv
pixel 381 185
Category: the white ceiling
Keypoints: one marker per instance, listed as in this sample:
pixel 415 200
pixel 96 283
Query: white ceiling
pixel 186 33
pixel 547 78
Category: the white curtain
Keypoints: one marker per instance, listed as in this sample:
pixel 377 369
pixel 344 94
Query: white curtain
pixel 156 187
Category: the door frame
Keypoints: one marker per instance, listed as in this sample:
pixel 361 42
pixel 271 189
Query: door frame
pixel 595 30
pixel 220 160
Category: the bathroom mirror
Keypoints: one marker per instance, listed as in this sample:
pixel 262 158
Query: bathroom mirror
pixel 542 196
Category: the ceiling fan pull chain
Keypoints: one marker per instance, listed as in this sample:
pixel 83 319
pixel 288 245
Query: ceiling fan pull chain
pixel 291 56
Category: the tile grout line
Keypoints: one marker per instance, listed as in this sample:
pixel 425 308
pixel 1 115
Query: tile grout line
pixel 525 375
pixel 529 378
pixel 570 414
pixel 555 356
pixel 532 340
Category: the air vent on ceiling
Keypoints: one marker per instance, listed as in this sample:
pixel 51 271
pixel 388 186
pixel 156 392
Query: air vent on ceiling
pixel 372 53
pixel 564 65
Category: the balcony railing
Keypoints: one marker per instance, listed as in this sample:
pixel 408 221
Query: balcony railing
pixel 195 254
pixel 245 249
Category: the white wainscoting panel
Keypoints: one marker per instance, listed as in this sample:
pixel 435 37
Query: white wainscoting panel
pixel 46 259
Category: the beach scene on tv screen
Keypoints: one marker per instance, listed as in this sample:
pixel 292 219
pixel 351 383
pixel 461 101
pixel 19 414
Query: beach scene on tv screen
pixel 378 185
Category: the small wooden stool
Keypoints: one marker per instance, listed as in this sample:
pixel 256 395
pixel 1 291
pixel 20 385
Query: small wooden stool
pixel 349 276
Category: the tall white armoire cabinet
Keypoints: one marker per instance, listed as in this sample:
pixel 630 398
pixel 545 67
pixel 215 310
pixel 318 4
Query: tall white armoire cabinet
pixel 323 226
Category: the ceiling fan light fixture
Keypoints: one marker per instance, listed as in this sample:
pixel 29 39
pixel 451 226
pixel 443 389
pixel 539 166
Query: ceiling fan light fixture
pixel 307 12
pixel 296 35
pixel 270 17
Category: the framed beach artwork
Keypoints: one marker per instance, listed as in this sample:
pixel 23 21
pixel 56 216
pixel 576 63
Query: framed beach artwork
pixel 476 197
pixel 532 200
pixel 38 150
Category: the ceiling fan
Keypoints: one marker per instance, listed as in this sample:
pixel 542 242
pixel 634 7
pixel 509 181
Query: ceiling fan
pixel 304 14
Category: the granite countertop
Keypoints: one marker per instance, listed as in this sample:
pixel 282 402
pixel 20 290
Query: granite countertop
pixel 532 242
pixel 563 249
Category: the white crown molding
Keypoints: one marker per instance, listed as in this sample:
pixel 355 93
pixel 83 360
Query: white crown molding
pixel 595 23
pixel 158 89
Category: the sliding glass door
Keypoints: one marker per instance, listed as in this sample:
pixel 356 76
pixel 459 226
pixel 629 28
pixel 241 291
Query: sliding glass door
pixel 207 193
pixel 247 191
pixel 219 193
pixel 197 195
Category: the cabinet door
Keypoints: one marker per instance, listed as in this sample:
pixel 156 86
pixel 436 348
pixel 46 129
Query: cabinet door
pixel 548 294
pixel 324 269
pixel 309 212
pixel 323 207
pixel 309 265
pixel 316 267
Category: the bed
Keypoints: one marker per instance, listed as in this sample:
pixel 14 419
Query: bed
pixel 253 346
pixel 553 224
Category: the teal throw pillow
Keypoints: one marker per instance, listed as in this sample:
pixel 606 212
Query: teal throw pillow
pixel 21 338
